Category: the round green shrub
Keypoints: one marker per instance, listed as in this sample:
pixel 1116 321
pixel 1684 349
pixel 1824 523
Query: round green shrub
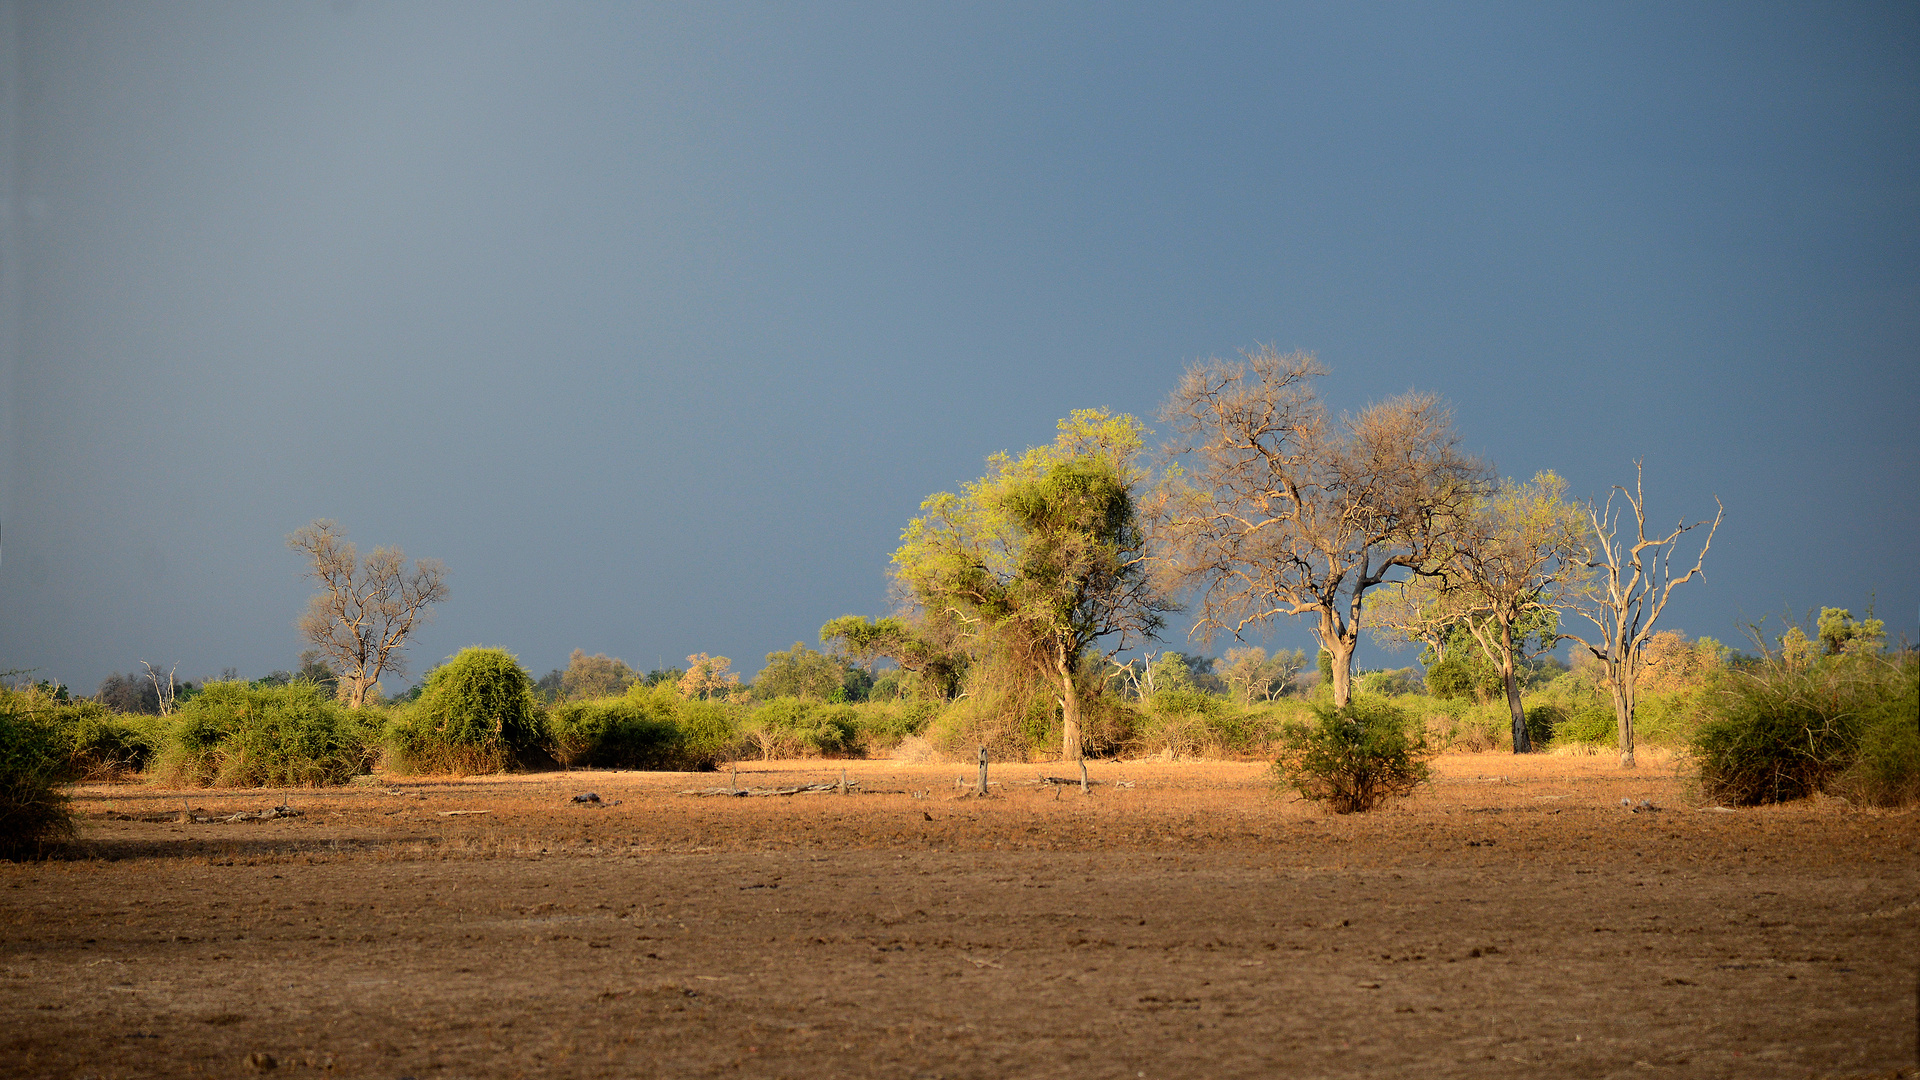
pixel 476 714
pixel 1353 759
pixel 1543 720
pixel 617 733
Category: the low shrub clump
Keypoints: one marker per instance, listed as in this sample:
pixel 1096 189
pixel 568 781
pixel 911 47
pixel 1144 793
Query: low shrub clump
pixel 476 714
pixel 1353 759
pixel 884 725
pixel 1187 723
pixel 233 734
pixel 103 745
pixel 1791 729
pixel 789 727
pixel 34 811
pixel 649 728
pixel 1543 722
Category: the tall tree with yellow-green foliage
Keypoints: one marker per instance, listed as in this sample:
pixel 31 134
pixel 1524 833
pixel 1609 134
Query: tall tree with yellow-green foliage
pixel 1043 559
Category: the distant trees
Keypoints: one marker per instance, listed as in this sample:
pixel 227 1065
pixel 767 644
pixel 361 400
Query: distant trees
pixel 801 672
pixel 923 648
pixel 707 677
pixel 1841 634
pixel 1628 585
pixel 1043 557
pixel 595 676
pixel 1285 511
pixel 360 618
pixel 129 693
pixel 1256 676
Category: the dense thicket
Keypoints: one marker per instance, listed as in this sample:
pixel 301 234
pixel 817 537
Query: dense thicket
pixel 34 814
pixel 234 734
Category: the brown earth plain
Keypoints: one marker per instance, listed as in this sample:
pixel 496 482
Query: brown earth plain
pixel 1512 919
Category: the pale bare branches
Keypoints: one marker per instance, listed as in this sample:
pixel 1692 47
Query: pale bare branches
pixel 365 609
pixel 1627 587
pixel 1284 511
pixel 164 691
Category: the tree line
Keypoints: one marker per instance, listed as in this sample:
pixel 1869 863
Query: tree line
pixel 1029 583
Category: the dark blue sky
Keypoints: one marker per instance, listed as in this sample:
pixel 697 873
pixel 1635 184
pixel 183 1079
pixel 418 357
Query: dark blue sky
pixel 656 325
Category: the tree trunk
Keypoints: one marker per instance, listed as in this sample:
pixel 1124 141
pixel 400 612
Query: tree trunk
pixel 1521 742
pixel 1341 653
pixel 1069 717
pixel 1623 712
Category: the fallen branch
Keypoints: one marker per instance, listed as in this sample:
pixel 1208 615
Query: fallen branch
pixel 805 789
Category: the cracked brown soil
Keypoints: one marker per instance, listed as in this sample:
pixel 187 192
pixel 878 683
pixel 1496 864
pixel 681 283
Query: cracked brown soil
pixel 1513 919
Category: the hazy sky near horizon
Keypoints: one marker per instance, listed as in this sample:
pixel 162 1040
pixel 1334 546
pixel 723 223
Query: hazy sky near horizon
pixel 657 323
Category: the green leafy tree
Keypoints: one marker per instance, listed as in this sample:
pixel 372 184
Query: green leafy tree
pixel 1043 558
pixel 922 647
pixel 800 672
pixel 1508 553
pixel 1839 633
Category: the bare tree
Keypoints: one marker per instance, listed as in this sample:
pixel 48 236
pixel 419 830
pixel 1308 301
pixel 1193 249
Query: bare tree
pixel 360 618
pixel 164 692
pixel 1627 588
pixel 1286 512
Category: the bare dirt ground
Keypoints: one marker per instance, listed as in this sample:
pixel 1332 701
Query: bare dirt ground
pixel 1511 920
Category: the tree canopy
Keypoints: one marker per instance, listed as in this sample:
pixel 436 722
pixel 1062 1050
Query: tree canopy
pixel 1043 557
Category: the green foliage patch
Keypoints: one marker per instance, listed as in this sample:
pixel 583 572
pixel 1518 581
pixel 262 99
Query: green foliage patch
pixel 1353 759
pixel 34 761
pixel 1794 727
pixel 476 714
pixel 649 728
pixel 233 734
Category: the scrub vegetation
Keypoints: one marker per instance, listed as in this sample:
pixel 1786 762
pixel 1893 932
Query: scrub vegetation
pixel 1033 603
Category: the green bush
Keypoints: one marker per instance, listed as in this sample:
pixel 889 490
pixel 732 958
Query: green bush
pixel 1790 729
pixel 790 727
pixel 233 734
pixel 1886 768
pixel 476 714
pixel 1189 723
pixel 1543 720
pixel 643 730
pixel 1353 759
pixel 1587 722
pixel 709 733
pixel 884 725
pixel 1392 683
pixel 34 811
